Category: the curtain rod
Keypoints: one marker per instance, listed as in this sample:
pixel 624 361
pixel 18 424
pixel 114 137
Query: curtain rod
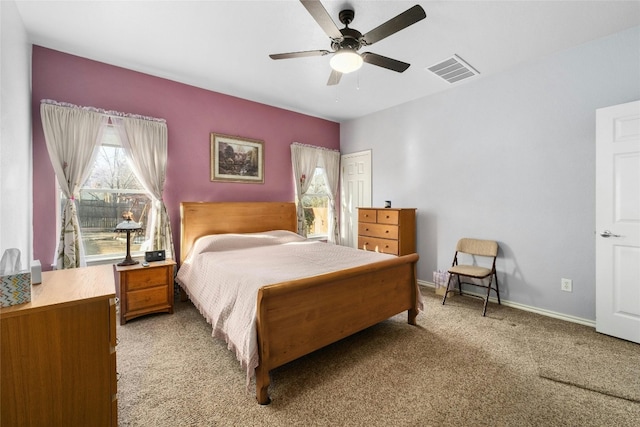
pixel 314 146
pixel 109 113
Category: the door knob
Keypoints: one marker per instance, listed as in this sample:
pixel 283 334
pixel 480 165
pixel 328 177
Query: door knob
pixel 607 233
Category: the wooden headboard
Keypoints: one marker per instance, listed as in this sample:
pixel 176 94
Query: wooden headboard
pixel 198 219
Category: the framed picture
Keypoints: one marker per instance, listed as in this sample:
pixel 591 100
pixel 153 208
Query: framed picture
pixel 236 159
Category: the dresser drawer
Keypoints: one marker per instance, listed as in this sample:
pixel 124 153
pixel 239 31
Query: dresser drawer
pixel 147 298
pixel 382 231
pixel 146 278
pixel 387 217
pixel 113 341
pixel 114 376
pixel 367 215
pixel 378 245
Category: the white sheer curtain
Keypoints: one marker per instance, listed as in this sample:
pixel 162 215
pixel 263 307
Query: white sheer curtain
pixel 304 160
pixel 145 144
pixel 71 134
pixel 331 164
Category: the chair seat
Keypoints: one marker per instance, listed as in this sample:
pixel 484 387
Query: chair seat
pixel 470 270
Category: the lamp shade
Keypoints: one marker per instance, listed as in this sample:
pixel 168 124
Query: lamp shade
pixel 128 225
pixel 346 61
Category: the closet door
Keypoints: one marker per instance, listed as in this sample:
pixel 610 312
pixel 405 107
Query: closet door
pixel 355 192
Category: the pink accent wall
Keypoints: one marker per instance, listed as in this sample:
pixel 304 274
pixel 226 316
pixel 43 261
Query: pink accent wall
pixel 191 114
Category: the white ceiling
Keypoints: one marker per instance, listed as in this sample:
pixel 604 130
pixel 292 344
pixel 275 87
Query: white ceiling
pixel 224 45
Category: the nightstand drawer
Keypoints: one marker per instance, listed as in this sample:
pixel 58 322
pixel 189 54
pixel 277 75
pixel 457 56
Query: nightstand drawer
pixel 147 298
pixel 382 231
pixel 147 277
pixel 378 245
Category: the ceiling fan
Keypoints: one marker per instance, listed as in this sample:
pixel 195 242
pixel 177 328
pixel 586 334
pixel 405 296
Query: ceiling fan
pixel 346 42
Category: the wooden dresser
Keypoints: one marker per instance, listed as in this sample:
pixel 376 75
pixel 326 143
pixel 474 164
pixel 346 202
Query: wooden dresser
pixel 145 290
pixel 58 352
pixel 387 230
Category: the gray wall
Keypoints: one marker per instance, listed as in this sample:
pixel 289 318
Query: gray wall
pixel 509 157
pixel 15 135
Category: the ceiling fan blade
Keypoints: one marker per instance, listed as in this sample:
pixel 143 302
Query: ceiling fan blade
pixel 322 17
pixel 384 62
pixel 299 54
pixel 334 78
pixel 393 25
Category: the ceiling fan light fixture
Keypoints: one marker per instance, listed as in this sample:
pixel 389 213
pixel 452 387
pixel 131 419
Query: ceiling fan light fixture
pixel 346 61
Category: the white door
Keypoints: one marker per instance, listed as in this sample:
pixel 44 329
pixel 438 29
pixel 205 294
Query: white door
pixel 355 192
pixel 618 221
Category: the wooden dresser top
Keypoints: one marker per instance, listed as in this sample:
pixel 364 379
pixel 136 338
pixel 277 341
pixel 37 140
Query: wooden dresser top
pixel 67 287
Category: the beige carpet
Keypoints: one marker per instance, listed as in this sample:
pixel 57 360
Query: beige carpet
pixel 578 356
pixel 455 368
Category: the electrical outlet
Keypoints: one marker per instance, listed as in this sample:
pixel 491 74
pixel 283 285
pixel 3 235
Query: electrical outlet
pixel 566 285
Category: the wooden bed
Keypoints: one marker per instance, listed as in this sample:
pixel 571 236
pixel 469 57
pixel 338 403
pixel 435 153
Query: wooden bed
pixel 298 317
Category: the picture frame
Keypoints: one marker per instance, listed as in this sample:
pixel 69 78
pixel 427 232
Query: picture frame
pixel 237 159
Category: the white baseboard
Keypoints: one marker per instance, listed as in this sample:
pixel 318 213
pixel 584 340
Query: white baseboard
pixel 525 307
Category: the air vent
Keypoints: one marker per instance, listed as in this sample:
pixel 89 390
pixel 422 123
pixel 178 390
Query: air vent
pixel 453 69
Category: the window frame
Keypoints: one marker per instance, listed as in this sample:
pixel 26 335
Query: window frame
pixel 110 130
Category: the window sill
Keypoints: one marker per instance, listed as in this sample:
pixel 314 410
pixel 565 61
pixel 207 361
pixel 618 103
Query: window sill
pixel 112 259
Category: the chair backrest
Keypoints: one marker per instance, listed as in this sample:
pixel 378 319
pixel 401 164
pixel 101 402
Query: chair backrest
pixel 478 247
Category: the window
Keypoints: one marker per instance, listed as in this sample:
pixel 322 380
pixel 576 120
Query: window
pixel 316 206
pixel 111 192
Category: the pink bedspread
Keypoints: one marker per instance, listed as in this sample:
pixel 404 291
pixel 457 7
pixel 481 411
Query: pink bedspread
pixel 222 275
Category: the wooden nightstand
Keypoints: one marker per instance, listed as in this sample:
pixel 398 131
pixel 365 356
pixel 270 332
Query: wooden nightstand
pixel 144 290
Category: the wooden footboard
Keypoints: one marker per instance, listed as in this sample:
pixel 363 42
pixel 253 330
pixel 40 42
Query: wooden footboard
pixel 298 317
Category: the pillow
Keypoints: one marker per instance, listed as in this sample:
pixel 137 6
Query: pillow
pixel 235 241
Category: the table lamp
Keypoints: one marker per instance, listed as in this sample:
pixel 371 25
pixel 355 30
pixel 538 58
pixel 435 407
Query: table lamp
pixel 128 226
